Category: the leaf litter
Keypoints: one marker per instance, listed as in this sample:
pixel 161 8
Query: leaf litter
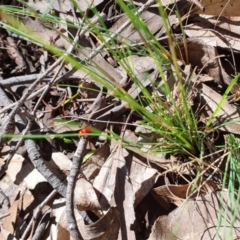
pixel 123 191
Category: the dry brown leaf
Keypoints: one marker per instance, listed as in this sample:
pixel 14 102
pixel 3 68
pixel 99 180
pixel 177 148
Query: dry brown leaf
pixel 198 219
pixel 204 187
pixel 143 178
pixel 49 34
pixel 85 196
pixel 167 194
pixel 15 220
pixel 20 170
pixel 205 57
pixel 177 194
pixel 99 66
pixel 223 25
pixel 219 38
pixel 139 64
pixel 38 28
pixel 93 165
pixel 5 234
pixel 219 7
pixel 153 21
pixel 14 53
pixel 163 2
pixel 227 113
pixel 115 189
pixel 61 6
pixel 9 223
pixel 107 227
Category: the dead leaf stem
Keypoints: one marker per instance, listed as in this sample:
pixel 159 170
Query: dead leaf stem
pixel 76 165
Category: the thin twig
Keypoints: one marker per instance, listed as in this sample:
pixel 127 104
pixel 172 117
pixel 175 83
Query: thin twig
pixel 4 215
pixel 38 92
pixel 48 86
pixel 40 165
pixel 8 125
pixel 37 214
pixel 25 79
pixel 42 76
pixel 76 165
pixel 49 70
pixel 12 152
pixel 38 235
pixel 28 79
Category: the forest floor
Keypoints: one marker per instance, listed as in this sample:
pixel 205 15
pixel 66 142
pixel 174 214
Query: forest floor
pixel 119 119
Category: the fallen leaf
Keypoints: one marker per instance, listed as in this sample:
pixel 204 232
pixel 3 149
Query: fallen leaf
pixel 85 196
pixel 227 112
pixel 93 165
pixel 61 6
pixel 143 178
pixel 177 194
pixel 107 227
pixel 21 170
pixel 115 189
pixel 198 219
pixel 13 52
pixel 219 7
pixel 213 37
pixel 205 56
pixel 5 234
pixel 19 211
pixel 167 194
pixel 130 33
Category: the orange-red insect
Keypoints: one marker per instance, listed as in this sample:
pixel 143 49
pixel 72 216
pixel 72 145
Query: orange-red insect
pixel 85 131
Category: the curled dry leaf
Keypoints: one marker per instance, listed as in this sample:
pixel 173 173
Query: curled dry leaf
pixel 85 196
pixel 107 227
pixel 205 57
pixel 203 31
pixel 199 219
pixel 177 194
pixel 167 194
